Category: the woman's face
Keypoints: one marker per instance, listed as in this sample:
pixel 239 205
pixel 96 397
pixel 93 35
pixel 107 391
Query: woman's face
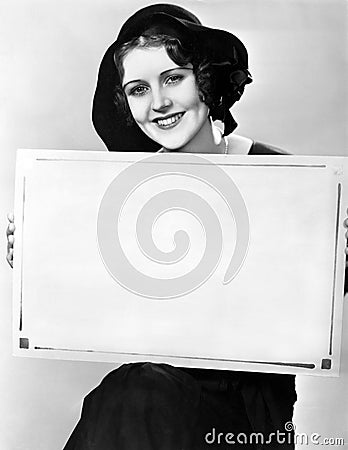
pixel 163 97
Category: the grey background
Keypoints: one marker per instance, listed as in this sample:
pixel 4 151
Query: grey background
pixel 50 52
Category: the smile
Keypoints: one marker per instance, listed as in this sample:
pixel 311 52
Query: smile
pixel 169 122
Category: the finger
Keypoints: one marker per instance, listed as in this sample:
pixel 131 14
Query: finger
pixel 345 223
pixel 10 229
pixel 10 241
pixel 10 217
pixel 9 249
pixel 10 260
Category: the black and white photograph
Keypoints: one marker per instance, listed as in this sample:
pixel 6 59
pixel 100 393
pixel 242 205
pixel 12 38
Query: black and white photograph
pixel 174 203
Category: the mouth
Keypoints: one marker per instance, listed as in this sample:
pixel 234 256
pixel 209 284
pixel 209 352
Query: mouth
pixel 168 121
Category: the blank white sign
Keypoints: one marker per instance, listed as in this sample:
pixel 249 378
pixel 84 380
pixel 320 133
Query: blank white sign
pixel 214 261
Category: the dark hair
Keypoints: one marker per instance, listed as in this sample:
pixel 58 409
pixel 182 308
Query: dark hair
pixel 180 55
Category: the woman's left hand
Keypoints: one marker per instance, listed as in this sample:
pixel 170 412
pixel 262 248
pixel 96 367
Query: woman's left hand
pixel 10 238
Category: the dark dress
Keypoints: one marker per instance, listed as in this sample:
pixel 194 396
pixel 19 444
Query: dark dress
pixel 145 406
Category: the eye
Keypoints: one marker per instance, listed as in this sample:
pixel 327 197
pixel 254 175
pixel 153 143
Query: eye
pixel 174 79
pixel 138 91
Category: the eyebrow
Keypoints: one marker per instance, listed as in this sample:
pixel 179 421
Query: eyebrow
pixel 161 74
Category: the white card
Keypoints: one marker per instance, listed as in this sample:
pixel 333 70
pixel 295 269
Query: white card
pixel 213 261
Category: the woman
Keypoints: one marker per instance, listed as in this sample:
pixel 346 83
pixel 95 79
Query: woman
pixel 161 85
pixel 215 60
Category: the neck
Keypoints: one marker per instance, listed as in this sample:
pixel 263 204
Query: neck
pixel 207 140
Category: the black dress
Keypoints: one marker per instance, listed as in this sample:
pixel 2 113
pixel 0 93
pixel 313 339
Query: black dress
pixel 145 406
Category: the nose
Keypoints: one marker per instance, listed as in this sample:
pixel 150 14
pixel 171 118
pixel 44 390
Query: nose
pixel 160 101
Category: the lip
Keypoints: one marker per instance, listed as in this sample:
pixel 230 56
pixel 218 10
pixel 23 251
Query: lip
pixel 167 117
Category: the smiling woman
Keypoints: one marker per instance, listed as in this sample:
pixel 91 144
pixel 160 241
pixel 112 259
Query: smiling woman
pixel 161 85
pixel 167 72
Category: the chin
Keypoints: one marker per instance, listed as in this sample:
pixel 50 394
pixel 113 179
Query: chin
pixel 174 143
pixel 170 143
pixel 174 147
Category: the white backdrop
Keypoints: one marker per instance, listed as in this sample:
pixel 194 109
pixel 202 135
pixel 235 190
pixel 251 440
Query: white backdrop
pixel 49 54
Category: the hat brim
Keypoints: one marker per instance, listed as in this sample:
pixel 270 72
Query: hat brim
pixel 212 42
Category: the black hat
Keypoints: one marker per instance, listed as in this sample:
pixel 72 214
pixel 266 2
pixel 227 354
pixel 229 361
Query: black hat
pixel 225 51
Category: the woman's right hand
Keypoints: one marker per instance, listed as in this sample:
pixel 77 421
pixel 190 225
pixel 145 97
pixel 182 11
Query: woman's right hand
pixel 10 238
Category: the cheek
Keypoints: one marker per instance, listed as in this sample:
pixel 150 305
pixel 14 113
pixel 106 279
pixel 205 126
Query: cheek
pixel 199 108
pixel 138 109
pixel 192 100
pixel 202 108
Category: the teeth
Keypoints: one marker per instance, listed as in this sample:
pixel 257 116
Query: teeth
pixel 169 121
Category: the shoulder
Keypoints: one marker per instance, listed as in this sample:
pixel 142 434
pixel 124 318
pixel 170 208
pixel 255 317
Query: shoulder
pixel 259 148
pixel 238 145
